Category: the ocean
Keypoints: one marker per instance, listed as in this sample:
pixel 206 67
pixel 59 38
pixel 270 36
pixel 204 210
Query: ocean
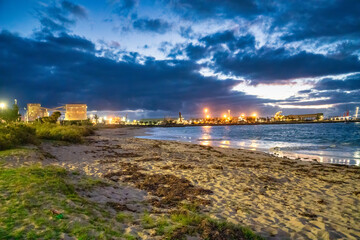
pixel 324 142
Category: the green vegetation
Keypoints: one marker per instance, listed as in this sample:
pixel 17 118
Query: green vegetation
pixel 12 135
pixel 72 134
pixel 51 119
pixel 15 152
pixel 44 203
pixel 37 202
pixel 17 134
pixel 189 221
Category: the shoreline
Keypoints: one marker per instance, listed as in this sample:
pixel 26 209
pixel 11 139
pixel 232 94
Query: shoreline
pixel 235 124
pixel 276 197
pixel 274 150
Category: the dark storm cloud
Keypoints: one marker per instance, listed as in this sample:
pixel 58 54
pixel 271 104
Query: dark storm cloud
pixel 264 65
pixel 152 25
pixel 273 65
pixel 68 41
pixel 349 84
pixel 313 19
pixel 64 69
pixel 298 20
pixel 212 44
pixel 195 52
pixel 219 37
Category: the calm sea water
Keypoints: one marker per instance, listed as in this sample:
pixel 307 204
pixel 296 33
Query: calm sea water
pixel 325 142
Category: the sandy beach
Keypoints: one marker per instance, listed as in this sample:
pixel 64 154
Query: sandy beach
pixel 278 198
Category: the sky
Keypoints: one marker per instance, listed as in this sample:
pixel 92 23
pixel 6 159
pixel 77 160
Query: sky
pixel 157 58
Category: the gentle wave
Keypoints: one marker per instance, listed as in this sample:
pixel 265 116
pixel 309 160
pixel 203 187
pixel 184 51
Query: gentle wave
pixel 335 142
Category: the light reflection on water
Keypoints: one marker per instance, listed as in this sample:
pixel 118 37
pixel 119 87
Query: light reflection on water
pixel 332 143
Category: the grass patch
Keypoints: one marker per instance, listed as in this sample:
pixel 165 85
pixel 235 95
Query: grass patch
pixel 31 199
pixel 124 218
pixel 15 152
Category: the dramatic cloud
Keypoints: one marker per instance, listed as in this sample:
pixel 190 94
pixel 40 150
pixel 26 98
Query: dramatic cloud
pixel 180 55
pixel 324 18
pixel 272 65
pixel 64 69
pixel 349 84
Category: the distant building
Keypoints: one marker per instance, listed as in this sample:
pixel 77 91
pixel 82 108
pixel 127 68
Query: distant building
pixel 75 112
pixel 35 111
pixel 306 117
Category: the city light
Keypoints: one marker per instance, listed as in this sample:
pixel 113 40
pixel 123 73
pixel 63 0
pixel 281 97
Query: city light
pixel 254 115
pixel 242 115
pixel 2 106
pixel 110 120
pixel 225 116
pixel 206 110
pixel 207 116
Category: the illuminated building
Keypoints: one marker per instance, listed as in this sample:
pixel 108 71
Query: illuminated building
pixel 75 112
pixel 35 111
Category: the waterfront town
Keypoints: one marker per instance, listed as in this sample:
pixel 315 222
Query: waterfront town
pixel 79 112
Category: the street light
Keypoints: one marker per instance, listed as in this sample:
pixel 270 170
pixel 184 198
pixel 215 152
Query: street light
pixel 207 116
pixel 254 114
pixel 225 116
pixel 206 110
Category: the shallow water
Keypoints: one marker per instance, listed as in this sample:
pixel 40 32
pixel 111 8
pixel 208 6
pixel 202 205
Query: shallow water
pixel 325 142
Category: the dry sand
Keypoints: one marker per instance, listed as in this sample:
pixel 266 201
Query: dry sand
pixel 278 198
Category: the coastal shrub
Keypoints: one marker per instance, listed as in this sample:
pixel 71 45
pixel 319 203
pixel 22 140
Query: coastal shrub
pixel 72 134
pixel 16 134
pixel 12 135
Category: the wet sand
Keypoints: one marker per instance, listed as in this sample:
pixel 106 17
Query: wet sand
pixel 278 198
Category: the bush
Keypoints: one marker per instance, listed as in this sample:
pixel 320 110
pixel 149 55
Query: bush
pixel 12 135
pixel 15 134
pixel 72 134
